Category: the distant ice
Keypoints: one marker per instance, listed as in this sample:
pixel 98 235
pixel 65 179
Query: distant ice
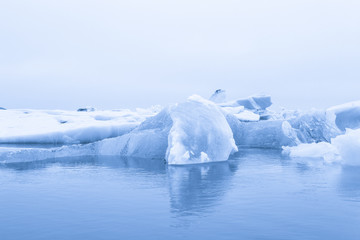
pixel 219 96
pixel 68 127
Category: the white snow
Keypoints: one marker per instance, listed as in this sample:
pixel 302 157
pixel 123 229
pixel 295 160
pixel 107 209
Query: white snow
pixel 67 127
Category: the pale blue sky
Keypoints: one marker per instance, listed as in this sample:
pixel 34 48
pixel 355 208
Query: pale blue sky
pixel 116 54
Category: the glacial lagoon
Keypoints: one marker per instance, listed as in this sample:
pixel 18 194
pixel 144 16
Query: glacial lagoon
pixel 256 194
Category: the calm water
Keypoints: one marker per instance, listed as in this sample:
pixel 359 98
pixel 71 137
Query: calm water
pixel 258 194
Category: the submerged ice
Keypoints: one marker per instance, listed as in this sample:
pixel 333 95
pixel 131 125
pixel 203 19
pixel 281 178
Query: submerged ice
pixel 194 131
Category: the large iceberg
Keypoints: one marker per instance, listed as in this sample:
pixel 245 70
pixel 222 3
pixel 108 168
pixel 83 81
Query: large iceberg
pixel 195 131
pixel 200 133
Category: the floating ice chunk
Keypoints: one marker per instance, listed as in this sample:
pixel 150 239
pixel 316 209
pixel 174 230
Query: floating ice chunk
pixel 247 116
pixel 263 134
pixel 314 150
pixel 149 140
pixel 313 126
pixel 348 146
pixel 344 148
pixel 219 96
pixel 345 115
pixel 233 110
pixel 200 133
pixel 241 114
pixel 260 102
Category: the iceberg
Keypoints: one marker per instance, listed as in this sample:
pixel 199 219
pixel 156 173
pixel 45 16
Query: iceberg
pixel 259 102
pixel 219 96
pixel 343 148
pixel 148 140
pixel 200 133
pixel 345 115
pixel 263 134
pixel 313 126
pixel 195 131
pixel 250 109
pixel 335 134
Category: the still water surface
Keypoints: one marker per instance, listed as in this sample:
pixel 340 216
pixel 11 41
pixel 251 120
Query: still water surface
pixel 258 194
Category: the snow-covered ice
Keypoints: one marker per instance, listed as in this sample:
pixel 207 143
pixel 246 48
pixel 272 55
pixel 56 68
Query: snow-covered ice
pixel 68 127
pixel 194 131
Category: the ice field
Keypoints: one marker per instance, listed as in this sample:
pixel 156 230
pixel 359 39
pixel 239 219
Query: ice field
pixel 194 131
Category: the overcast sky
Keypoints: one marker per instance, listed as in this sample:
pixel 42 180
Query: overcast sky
pixel 123 54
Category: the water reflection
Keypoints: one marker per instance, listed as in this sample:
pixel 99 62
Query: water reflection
pixel 192 189
pixel 196 188
pixel 150 165
pixel 349 183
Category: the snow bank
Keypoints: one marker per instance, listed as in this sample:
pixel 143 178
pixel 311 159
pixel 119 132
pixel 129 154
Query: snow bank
pixel 344 148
